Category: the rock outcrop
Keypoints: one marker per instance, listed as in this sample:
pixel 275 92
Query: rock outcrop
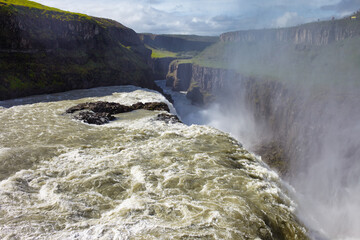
pixel 179 76
pixel 102 112
pixel 167 118
pixel 45 50
pixel 160 67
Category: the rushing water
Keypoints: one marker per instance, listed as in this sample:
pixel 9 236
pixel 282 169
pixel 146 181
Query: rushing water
pixel 134 178
pixel 325 171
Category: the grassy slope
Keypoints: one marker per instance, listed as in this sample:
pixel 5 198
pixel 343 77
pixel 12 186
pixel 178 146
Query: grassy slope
pixel 159 51
pixel 30 7
pixel 336 63
pixel 195 38
pixel 46 11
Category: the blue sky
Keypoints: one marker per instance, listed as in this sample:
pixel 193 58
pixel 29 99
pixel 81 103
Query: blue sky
pixel 208 17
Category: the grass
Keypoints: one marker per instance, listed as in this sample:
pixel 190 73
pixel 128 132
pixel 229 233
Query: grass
pixel 30 4
pixel 176 46
pixel 38 10
pixel 42 10
pixel 162 53
pixel 193 38
pixel 158 53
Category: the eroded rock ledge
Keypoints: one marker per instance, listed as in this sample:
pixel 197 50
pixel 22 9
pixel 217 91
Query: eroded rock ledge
pixel 102 112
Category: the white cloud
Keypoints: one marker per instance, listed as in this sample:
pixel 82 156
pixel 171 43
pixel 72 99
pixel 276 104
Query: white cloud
pixel 288 19
pixel 209 17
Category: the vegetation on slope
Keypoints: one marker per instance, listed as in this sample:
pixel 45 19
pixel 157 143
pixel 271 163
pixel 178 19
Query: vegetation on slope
pixel 38 10
pixel 337 62
pixel 319 52
pixel 159 53
pixel 176 46
pixel 45 50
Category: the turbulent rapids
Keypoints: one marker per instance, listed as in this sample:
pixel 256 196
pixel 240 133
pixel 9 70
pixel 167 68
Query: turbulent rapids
pixel 134 178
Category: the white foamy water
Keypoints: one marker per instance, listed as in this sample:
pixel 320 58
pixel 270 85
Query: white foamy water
pixel 327 179
pixel 134 178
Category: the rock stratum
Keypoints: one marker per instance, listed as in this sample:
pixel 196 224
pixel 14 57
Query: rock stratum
pixel 45 50
pixel 314 33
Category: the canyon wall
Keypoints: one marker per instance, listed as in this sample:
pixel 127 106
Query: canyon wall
pixel 315 33
pixel 177 43
pixel 160 67
pixel 293 122
pixel 298 96
pixel 48 50
pixel 179 75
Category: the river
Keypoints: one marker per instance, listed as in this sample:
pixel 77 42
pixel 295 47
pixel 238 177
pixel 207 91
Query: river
pixel 133 178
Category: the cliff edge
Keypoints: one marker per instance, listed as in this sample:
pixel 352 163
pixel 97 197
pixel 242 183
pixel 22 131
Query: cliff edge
pixel 314 33
pixel 45 50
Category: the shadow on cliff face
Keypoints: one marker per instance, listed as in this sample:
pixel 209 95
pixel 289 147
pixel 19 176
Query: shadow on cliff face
pixel 305 99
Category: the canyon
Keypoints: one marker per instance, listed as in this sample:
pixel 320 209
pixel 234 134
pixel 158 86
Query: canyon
pixel 290 95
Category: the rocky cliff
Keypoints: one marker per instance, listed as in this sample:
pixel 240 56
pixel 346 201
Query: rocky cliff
pixel 299 84
pixel 315 33
pixel 179 75
pixel 160 67
pixel 292 121
pixel 178 43
pixel 45 50
pixel 166 48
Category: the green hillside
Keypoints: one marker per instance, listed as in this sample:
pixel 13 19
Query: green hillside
pixel 175 45
pixel 317 52
pixel 44 50
pixel 337 62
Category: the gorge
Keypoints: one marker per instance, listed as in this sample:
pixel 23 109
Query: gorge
pixel 290 95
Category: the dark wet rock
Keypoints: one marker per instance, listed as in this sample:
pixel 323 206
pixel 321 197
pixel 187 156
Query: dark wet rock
pixel 195 96
pixel 94 118
pixel 108 107
pixel 179 76
pixel 160 67
pixel 153 106
pixel 102 112
pixel 115 108
pixel 167 118
pixel 273 154
pixel 167 96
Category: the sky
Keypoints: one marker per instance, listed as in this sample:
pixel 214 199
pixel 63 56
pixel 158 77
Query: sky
pixel 208 17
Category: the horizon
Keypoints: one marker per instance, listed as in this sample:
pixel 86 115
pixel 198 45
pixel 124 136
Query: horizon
pixel 209 18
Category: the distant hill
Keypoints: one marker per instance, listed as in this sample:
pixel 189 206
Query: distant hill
pixel 179 45
pixel 167 48
pixel 44 50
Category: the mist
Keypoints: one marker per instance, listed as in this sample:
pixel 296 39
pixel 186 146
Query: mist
pixel 313 113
